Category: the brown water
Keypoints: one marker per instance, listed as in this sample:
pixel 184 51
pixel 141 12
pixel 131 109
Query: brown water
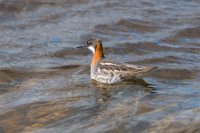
pixel 44 80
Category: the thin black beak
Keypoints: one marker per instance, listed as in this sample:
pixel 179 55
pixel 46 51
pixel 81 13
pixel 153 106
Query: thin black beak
pixel 82 46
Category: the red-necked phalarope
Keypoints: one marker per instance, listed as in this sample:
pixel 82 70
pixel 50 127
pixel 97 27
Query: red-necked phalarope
pixel 111 72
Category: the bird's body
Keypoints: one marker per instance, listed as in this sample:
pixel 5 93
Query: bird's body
pixel 110 72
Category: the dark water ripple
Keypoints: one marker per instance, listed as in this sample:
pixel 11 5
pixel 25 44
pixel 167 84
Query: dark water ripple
pixel 44 79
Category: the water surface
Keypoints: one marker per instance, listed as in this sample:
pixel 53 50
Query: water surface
pixel 44 79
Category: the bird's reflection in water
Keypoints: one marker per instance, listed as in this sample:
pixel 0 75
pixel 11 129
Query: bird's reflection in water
pixel 104 91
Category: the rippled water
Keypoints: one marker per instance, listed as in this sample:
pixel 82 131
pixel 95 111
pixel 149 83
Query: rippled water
pixel 44 79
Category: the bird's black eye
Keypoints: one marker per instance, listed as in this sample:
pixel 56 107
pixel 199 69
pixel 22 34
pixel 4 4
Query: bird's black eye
pixel 89 43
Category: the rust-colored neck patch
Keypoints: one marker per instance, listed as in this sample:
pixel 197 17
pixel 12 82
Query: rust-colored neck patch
pixel 98 55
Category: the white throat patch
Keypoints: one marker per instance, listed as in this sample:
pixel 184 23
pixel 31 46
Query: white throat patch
pixel 92 49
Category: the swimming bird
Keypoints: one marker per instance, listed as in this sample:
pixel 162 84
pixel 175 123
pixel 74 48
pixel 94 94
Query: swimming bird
pixel 111 72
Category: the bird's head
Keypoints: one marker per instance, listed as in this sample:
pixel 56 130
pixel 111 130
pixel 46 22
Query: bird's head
pixel 94 45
